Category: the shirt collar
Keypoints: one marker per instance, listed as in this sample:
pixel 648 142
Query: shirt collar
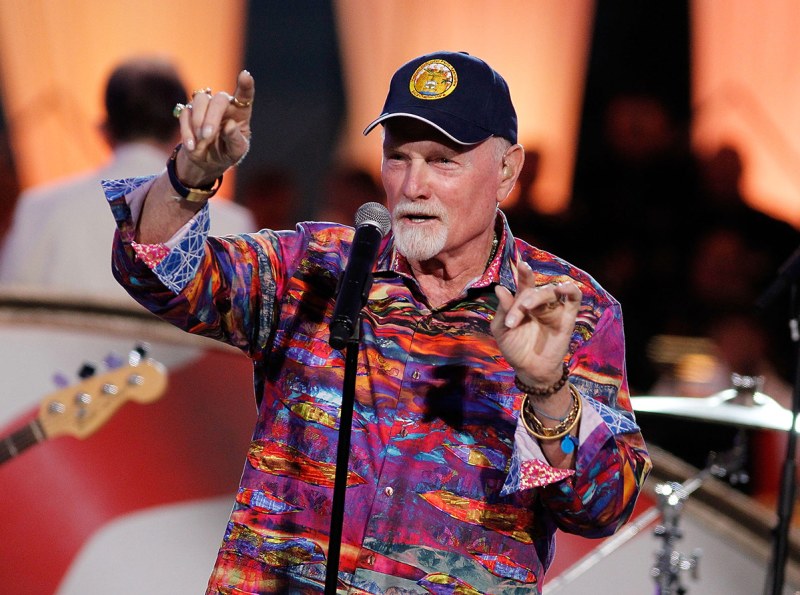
pixel 502 269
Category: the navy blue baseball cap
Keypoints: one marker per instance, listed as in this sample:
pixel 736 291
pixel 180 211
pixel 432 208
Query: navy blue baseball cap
pixel 458 94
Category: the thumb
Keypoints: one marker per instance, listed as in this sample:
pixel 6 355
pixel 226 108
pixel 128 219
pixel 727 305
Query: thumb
pixel 506 300
pixel 245 91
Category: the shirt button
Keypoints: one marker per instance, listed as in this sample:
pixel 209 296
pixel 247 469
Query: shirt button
pixel 415 374
pixel 389 491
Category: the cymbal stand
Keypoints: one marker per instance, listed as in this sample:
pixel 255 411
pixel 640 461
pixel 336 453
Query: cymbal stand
pixel 671 498
pixel 731 464
pixel 670 562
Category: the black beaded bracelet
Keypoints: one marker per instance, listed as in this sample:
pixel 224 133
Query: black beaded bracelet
pixel 184 192
pixel 546 391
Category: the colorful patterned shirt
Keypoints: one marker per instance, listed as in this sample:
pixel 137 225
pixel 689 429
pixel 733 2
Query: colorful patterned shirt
pixel 446 491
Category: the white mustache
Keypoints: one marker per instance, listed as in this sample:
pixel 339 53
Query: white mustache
pixel 421 210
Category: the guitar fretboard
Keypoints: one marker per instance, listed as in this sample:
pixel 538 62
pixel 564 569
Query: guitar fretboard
pixel 22 439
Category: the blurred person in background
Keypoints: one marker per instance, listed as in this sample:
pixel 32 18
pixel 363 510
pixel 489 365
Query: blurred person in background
pixel 346 189
pixel 60 233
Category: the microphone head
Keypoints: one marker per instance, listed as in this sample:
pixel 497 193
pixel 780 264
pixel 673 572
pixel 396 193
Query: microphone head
pixel 375 214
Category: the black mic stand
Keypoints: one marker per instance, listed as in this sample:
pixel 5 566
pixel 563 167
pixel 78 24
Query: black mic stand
pixel 787 488
pixel 342 462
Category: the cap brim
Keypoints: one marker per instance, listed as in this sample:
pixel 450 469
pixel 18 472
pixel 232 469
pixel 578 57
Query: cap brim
pixel 384 117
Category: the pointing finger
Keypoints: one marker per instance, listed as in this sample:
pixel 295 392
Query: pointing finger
pixel 245 92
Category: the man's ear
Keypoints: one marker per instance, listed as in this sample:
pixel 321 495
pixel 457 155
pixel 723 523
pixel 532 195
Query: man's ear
pixel 511 166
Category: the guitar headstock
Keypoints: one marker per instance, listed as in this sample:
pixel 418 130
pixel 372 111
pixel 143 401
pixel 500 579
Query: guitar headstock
pixel 81 409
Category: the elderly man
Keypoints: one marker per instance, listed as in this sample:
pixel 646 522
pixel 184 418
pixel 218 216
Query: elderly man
pixel 491 400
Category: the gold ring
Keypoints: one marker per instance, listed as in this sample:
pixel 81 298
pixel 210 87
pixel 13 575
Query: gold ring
pixel 176 111
pixel 240 103
pixel 206 90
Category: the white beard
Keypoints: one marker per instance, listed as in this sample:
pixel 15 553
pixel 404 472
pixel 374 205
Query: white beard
pixel 419 243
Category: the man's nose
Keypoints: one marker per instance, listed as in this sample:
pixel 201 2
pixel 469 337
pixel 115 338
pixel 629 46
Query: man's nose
pixel 416 182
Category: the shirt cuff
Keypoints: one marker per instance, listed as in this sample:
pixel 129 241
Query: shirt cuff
pixel 529 467
pixel 186 250
pixel 175 261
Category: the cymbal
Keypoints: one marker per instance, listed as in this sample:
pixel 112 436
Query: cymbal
pixel 726 407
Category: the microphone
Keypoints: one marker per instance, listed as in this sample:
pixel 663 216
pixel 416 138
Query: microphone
pixel 789 271
pixel 373 222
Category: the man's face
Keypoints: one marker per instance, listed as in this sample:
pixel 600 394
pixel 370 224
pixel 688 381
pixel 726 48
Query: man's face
pixel 443 196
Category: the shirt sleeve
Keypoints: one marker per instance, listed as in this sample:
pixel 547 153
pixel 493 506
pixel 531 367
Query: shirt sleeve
pixel 612 462
pixel 223 288
pixel 175 261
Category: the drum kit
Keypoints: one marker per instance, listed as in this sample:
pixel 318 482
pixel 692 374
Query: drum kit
pixel 743 406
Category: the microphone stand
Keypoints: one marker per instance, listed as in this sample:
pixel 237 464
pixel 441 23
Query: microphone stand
pixel 788 482
pixel 342 462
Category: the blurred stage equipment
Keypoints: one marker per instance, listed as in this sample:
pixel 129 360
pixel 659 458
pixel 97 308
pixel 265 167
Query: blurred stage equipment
pixel 728 532
pixel 786 282
pixel 138 506
pixel 745 406
pixel 742 405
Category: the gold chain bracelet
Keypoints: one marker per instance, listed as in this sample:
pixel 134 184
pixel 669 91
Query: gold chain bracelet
pixel 540 431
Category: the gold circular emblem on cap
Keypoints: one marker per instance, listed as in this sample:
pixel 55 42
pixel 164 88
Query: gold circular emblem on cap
pixel 433 80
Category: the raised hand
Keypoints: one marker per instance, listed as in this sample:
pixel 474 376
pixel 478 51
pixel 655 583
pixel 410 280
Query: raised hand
pixel 533 329
pixel 215 131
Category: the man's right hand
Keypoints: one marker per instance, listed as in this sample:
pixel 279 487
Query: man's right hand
pixel 215 131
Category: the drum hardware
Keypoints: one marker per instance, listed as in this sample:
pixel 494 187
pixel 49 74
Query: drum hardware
pixel 730 406
pixel 729 465
pixel 743 405
pixel 670 562
pixel 746 387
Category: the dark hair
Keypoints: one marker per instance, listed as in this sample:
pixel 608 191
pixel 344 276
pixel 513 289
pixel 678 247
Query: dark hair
pixel 140 95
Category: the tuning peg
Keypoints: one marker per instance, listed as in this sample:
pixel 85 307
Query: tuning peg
pixel 137 354
pixel 60 380
pixel 113 361
pixel 87 370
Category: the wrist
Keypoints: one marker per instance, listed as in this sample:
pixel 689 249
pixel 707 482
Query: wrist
pixel 543 390
pixel 564 431
pixel 184 184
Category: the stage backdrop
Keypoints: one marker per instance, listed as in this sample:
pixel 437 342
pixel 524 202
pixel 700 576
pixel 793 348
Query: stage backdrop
pixel 746 87
pixel 55 57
